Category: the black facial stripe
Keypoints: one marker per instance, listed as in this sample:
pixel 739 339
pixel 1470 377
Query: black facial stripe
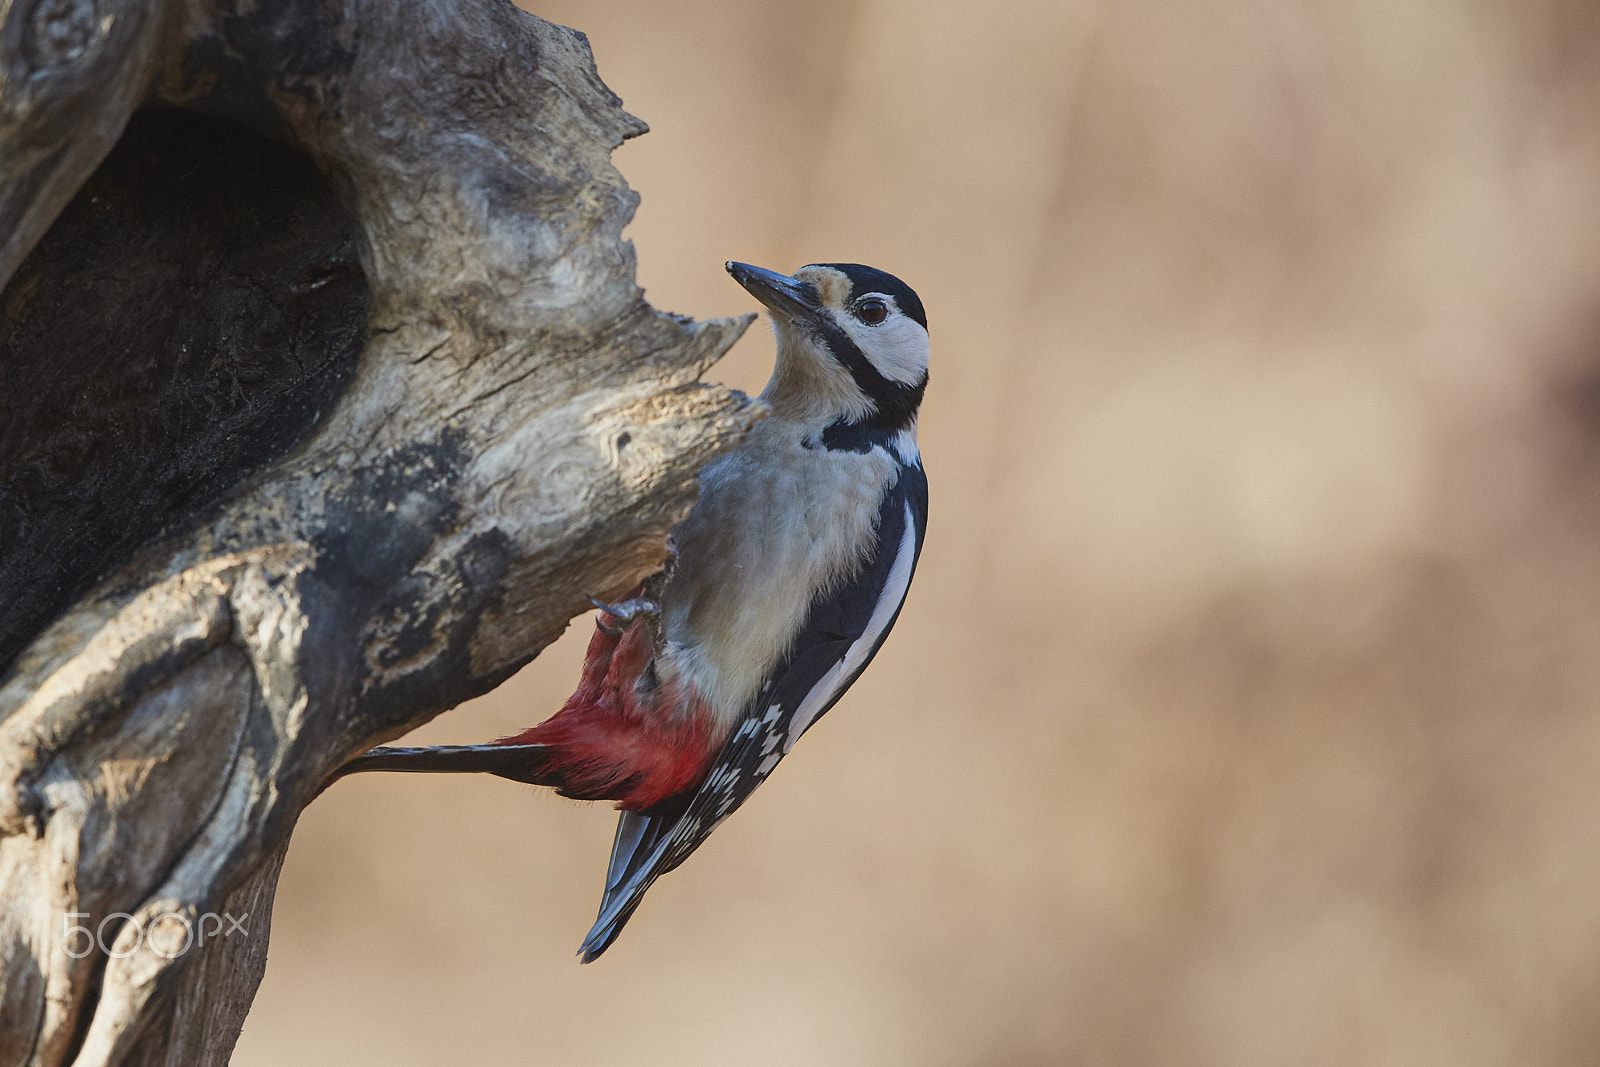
pixel 894 404
pixel 841 436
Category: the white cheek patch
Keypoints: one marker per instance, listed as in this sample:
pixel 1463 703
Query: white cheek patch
pixel 897 349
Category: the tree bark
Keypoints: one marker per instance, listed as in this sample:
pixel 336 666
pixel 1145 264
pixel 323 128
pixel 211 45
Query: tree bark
pixel 327 396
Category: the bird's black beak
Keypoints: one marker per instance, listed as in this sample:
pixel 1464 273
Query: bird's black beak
pixel 789 297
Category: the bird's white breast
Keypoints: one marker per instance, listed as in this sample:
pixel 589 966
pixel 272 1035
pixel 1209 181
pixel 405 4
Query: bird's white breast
pixel 776 524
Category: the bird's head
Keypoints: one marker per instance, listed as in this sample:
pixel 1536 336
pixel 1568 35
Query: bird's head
pixel 852 343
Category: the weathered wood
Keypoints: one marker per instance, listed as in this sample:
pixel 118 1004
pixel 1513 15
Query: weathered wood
pixel 135 395
pixel 331 494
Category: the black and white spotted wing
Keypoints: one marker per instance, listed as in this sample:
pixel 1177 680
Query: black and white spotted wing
pixel 840 636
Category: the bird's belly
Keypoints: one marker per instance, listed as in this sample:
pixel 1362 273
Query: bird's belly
pixel 764 540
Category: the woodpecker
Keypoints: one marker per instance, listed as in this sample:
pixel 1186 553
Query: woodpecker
pixel 787 576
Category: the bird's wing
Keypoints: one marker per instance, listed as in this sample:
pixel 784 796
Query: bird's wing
pixel 838 639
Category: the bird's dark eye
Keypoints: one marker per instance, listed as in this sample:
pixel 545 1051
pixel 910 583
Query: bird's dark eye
pixel 872 312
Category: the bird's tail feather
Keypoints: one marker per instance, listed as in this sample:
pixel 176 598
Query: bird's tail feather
pixel 519 763
pixel 636 861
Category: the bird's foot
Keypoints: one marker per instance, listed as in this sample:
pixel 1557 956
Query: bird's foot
pixel 637 608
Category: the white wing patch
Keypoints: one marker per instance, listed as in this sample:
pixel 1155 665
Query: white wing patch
pixel 840 674
pixel 905 446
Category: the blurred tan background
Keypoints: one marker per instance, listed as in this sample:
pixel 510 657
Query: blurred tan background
pixel 1246 708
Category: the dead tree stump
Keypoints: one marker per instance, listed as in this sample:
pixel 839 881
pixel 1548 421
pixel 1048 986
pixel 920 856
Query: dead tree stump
pixel 326 397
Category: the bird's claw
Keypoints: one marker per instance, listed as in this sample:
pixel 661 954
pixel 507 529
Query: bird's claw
pixel 625 613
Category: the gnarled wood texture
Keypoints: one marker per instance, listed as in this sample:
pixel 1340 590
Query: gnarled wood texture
pixel 330 398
